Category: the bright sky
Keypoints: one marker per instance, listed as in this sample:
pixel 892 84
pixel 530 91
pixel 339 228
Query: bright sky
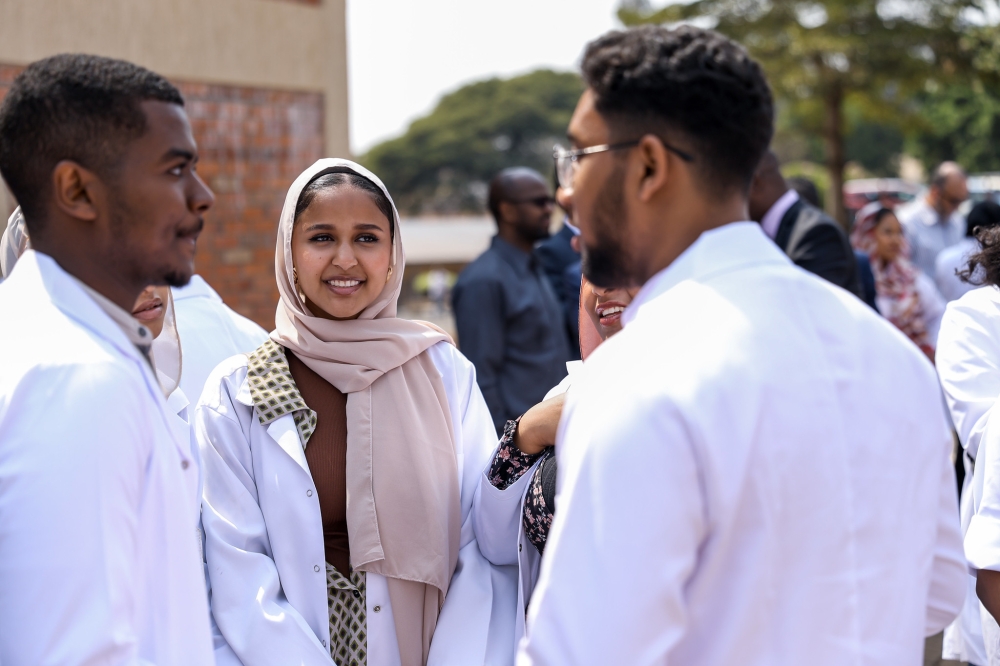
pixel 404 54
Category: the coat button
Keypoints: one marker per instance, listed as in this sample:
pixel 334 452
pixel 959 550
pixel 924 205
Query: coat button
pixel 519 548
pixel 324 643
pixel 185 464
pixel 377 609
pixel 309 493
pixel 316 568
pixel 357 595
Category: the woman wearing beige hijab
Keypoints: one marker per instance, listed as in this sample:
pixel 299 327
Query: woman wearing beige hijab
pixel 346 506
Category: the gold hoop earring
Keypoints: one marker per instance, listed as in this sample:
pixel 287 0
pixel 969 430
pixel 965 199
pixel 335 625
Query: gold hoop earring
pixel 389 274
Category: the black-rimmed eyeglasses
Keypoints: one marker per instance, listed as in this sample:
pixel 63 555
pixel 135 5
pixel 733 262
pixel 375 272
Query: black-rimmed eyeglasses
pixel 567 160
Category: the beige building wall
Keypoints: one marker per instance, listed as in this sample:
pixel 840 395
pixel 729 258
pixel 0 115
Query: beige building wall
pixel 280 44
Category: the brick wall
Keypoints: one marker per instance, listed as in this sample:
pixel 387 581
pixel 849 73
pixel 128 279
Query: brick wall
pixel 253 143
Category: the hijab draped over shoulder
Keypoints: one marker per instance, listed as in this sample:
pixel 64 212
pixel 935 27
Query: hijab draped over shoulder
pixel 403 503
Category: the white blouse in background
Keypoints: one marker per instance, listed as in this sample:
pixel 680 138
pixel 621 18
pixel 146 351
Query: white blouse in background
pixel 264 536
pixel 755 471
pixel 968 364
pixel 210 332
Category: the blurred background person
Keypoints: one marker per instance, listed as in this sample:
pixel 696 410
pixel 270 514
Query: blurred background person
pixel 951 261
pixel 508 318
pixel 933 222
pixel 560 258
pixel 905 296
pixel 866 279
pixel 810 237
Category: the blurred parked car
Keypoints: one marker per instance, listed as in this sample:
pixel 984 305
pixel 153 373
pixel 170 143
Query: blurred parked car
pixel 890 191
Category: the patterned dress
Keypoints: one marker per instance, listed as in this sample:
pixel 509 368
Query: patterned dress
pixel 509 465
pixel 274 395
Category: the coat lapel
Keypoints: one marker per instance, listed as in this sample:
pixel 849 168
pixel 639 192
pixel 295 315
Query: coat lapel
pixel 274 395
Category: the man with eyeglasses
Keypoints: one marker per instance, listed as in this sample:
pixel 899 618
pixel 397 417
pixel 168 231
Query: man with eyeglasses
pixel 508 318
pixel 933 222
pixel 756 470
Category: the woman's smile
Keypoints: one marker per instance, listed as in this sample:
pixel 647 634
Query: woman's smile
pixel 610 312
pixel 345 286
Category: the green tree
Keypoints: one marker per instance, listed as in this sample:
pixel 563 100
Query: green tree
pixel 962 123
pixel 822 57
pixel 445 159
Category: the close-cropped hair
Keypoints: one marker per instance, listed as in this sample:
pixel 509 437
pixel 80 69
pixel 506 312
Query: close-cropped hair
pixel 694 89
pixel 75 107
pixel 344 177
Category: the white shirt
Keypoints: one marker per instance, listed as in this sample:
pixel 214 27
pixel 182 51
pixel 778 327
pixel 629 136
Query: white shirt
pixel 968 363
pixel 927 233
pixel 264 537
pixel 99 561
pixel 767 484
pixel 210 332
pixel 772 218
pixel 948 262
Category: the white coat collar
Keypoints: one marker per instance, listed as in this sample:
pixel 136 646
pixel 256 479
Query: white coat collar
pixel 42 273
pixel 65 293
pixel 717 251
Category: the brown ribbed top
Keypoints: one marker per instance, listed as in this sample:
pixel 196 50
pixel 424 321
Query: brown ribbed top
pixel 326 454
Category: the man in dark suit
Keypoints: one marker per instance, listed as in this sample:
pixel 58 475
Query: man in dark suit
pixel 810 237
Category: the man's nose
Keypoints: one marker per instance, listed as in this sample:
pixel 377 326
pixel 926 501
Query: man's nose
pixel 201 196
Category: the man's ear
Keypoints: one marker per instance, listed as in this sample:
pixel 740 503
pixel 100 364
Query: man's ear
pixel 506 210
pixel 652 167
pixel 75 190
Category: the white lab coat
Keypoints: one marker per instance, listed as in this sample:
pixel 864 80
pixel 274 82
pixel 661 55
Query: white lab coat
pixel 755 471
pixel 264 536
pixel 98 555
pixel 210 332
pixel 968 363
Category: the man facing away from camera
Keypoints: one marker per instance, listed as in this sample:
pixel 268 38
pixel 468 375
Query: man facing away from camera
pixel 756 469
pixel 99 559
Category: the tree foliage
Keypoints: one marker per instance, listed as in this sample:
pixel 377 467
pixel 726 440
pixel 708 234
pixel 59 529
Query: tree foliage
pixel 445 159
pixel 825 56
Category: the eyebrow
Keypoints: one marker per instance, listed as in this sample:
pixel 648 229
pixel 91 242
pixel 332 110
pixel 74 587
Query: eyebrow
pixel 175 153
pixel 327 225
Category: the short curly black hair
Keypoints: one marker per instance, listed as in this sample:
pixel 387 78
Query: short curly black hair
pixel 688 83
pixel 76 107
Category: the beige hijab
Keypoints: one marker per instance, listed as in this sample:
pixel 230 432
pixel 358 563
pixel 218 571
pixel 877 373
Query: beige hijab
pixel 403 503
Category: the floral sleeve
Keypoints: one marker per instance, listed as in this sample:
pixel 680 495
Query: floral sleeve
pixel 509 463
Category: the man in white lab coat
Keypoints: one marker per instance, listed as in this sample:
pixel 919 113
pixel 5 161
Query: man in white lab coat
pixel 756 470
pixel 98 559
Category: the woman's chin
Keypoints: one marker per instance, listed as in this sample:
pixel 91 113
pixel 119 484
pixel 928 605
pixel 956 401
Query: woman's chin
pixel 339 307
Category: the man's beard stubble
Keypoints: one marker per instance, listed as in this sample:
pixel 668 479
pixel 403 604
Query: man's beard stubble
pixel 606 264
pixel 130 259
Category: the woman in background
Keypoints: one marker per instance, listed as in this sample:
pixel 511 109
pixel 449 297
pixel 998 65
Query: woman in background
pixel 904 295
